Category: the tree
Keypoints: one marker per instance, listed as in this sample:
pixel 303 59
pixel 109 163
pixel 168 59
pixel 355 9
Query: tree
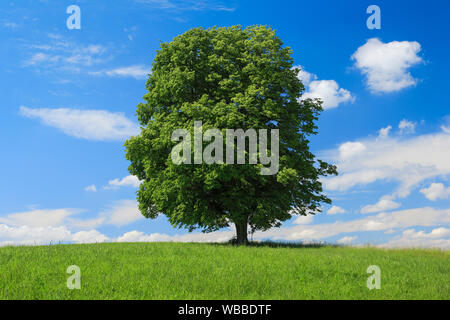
pixel 226 78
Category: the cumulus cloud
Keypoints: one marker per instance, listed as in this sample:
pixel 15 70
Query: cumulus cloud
pixel 424 217
pixel 128 181
pixel 39 218
pixel 347 240
pixel 304 219
pixel 436 191
pixel 91 236
pixel 122 212
pixel 388 222
pixel 119 213
pixel 435 233
pixel 327 90
pixel 437 238
pixel 384 132
pixel 407 126
pixel 386 203
pixel 330 93
pixel 305 77
pixel 99 125
pixel 135 71
pixel 386 65
pixel 350 149
pixel 34 235
pixel 408 160
pixel 336 210
pixel 137 236
pixel 44 218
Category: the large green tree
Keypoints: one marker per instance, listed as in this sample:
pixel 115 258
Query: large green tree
pixel 227 78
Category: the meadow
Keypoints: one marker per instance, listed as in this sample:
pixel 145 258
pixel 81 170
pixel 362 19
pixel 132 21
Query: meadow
pixel 221 271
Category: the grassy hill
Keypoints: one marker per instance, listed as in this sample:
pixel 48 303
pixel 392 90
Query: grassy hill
pixel 216 271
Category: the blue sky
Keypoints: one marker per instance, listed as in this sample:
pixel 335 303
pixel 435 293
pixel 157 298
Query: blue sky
pixel 69 99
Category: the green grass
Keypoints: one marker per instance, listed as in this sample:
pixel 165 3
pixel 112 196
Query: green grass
pixel 214 271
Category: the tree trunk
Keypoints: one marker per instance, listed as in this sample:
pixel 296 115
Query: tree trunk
pixel 241 232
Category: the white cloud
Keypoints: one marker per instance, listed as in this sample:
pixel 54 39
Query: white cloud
pixel 136 71
pixel 386 64
pixel 305 77
pixel 33 235
pixel 384 132
pixel 384 204
pixel 350 149
pixel 100 125
pixel 43 218
pixel 436 191
pixel 122 212
pixel 406 126
pixel 336 210
pixel 137 236
pixel 420 217
pixel 119 213
pixel 350 179
pixel 435 233
pixel 327 90
pixel 59 55
pixel 347 240
pixel 91 188
pixel 40 57
pixel 39 218
pixel 128 181
pixel 425 217
pixel 404 159
pixel 62 55
pixel 91 236
pixel 330 93
pixel 420 239
pixel 304 219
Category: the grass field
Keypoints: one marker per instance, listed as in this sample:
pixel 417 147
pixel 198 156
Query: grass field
pixel 215 271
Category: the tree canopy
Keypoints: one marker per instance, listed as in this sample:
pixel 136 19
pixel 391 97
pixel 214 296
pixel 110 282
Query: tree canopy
pixel 226 78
